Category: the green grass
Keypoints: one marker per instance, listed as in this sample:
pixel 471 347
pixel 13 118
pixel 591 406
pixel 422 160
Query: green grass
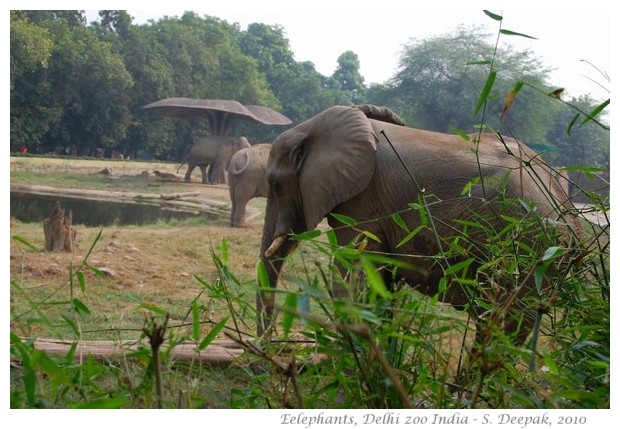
pixel 61 179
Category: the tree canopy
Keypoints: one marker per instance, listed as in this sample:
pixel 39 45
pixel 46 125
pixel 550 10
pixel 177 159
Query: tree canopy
pixel 78 86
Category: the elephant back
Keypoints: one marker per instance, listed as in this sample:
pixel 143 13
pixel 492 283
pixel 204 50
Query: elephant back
pixel 255 157
pixel 380 113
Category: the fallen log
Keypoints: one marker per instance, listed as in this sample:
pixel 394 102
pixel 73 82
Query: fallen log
pixel 178 195
pixel 167 175
pixel 222 351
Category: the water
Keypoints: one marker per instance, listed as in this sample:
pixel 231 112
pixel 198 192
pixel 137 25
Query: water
pixel 28 207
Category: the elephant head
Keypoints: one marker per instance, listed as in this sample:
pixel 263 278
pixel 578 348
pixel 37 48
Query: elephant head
pixel 321 163
pixel 341 161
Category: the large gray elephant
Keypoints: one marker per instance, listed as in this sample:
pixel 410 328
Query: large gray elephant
pixel 247 179
pixel 343 161
pixel 213 152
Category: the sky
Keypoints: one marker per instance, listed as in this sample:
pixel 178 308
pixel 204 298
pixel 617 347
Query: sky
pixel 574 42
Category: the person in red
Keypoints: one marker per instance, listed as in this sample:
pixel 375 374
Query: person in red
pixel 23 149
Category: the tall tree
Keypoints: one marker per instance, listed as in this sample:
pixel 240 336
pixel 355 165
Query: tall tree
pixel 77 100
pixel 88 82
pixel 348 77
pixel 269 46
pixel 31 51
pixel 145 59
pixel 440 79
pixel 116 21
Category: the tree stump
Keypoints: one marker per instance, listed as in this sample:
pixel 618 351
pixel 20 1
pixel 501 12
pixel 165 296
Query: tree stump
pixel 59 232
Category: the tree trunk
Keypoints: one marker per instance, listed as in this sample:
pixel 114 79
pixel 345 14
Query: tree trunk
pixel 59 232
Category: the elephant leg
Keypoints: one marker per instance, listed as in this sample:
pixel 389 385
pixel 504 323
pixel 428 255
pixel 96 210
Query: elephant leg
pixel 237 218
pixel 520 321
pixel 212 173
pixel 240 197
pixel 484 355
pixel 188 173
pixel 203 171
pixel 216 173
pixel 514 313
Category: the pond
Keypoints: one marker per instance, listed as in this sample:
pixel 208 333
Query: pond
pixel 30 207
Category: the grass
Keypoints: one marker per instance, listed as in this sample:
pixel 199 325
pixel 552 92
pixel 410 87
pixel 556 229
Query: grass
pixel 145 265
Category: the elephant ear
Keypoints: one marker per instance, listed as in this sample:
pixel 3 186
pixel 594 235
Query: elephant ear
pixel 335 160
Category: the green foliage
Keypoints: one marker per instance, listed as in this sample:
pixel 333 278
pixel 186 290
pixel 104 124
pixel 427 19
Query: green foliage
pixel 347 78
pixel 77 97
pixel 586 144
pixel 80 87
pixel 380 348
pixel 442 80
pixel 30 46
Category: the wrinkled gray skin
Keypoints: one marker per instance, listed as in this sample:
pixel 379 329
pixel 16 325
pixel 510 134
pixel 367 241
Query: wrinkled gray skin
pixel 339 161
pixel 247 179
pixel 213 152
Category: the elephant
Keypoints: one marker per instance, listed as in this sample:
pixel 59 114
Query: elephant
pixel 247 179
pixel 213 152
pixel 348 162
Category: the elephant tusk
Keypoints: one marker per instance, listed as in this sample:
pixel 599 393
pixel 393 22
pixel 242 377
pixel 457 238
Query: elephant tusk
pixel 275 245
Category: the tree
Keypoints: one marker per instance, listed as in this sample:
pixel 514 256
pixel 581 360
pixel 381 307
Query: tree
pixel 86 81
pixel 153 76
pixel 116 21
pixel 439 81
pixel 269 46
pixel 584 145
pixel 240 80
pixel 31 46
pixel 75 98
pixel 205 62
pixel 31 50
pixel 348 77
pixel 73 18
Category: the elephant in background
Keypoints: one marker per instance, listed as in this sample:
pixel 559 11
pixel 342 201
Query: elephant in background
pixel 213 152
pixel 341 161
pixel 247 179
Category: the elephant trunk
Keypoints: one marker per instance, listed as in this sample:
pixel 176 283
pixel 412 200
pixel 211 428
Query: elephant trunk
pixel 272 254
